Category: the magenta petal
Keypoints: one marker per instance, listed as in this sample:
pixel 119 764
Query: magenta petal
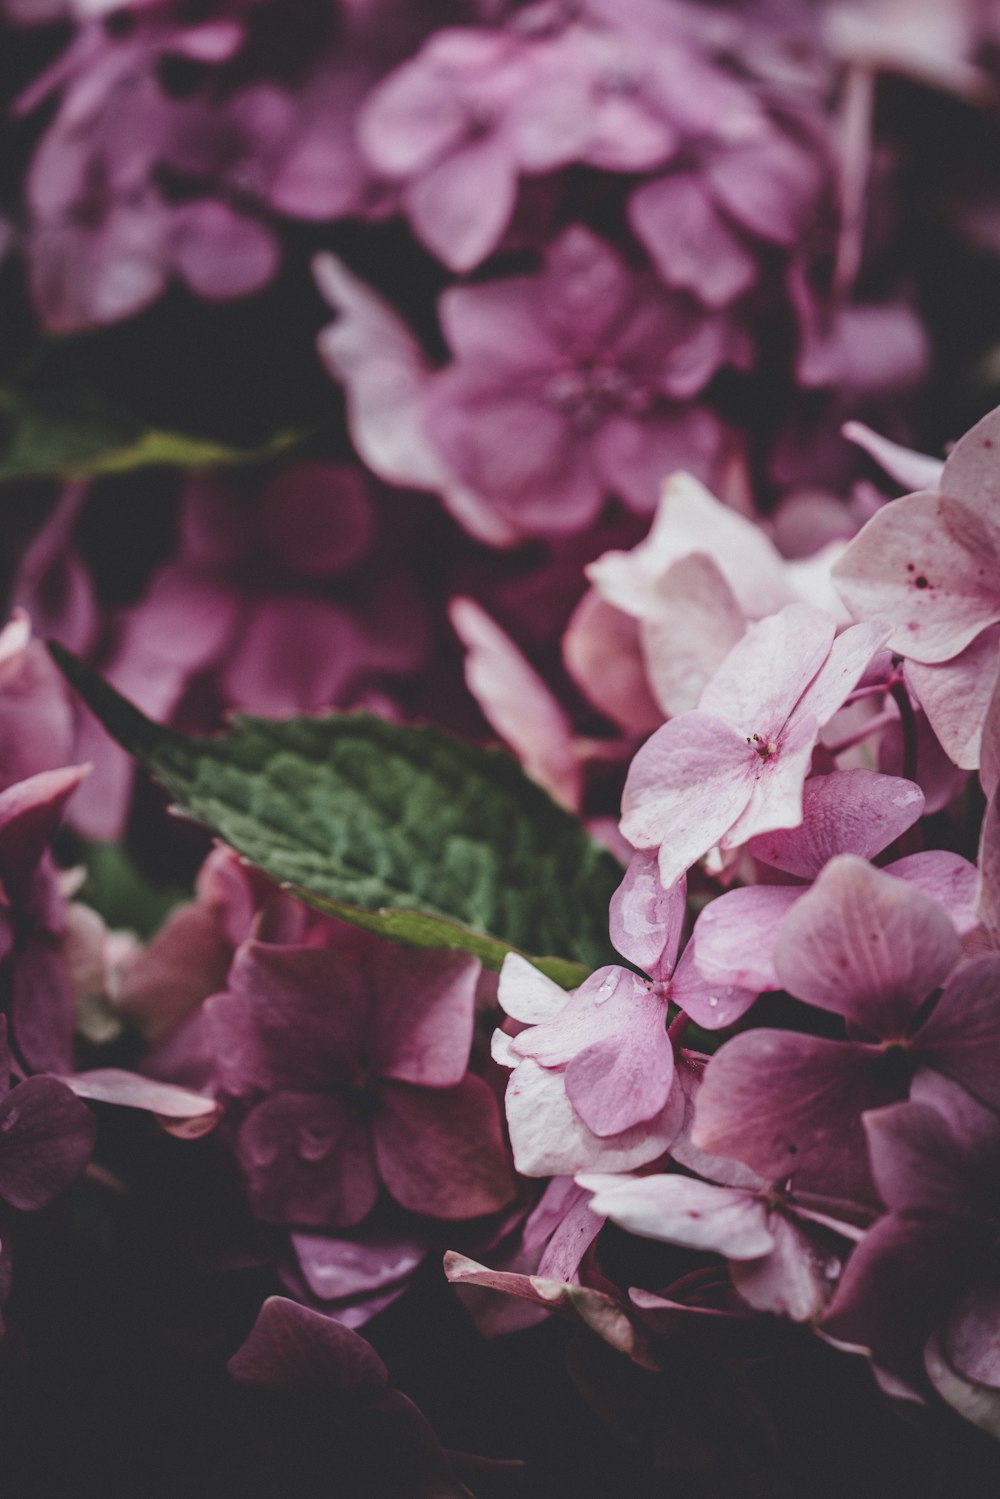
pixel 460 207
pixel 865 945
pixel 291 1018
pixel 962 1036
pixel 422 1006
pixel 680 1210
pixel 441 1151
pixel 307 1161
pixel 765 675
pixel 969 1338
pixel 625 1079
pixel 30 812
pixel 46 1139
pixel 847 812
pixel 42 1010
pixel 709 1003
pixel 790 1106
pixel 291 1346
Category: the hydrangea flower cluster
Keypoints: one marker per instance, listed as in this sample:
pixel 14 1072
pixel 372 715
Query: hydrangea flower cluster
pixel 498 466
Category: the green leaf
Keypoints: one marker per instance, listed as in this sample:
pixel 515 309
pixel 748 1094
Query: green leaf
pixel 407 832
pixel 77 434
pixel 121 894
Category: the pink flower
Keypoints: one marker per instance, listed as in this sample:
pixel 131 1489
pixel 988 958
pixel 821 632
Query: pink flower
pixel 354 1078
pixel 735 766
pixel 573 384
pixel 926 564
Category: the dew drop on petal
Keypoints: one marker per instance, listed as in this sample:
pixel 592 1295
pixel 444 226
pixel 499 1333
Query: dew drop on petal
pixel 608 987
pixel 713 1001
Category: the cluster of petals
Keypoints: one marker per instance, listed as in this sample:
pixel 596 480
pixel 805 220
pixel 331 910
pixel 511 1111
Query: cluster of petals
pixel 353 1079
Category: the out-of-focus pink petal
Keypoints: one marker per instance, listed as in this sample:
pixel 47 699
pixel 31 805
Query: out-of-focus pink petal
pixel 46 1139
pixel 518 704
pixel 948 878
pixel 335 1268
pixel 180 1111
pixel 961 1038
pixel 460 207
pixel 911 470
pixel 689 242
pixel 695 624
pixel 220 253
pixel 602 654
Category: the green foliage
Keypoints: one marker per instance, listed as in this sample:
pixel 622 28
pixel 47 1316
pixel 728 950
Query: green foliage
pixel 408 832
pixel 77 434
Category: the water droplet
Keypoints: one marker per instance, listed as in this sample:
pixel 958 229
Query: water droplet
pixel 713 1001
pixel 831 1268
pixel 608 986
pixel 312 1146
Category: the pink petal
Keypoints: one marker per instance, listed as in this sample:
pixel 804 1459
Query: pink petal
pixel 307 1160
pixel 526 994
pixel 291 1018
pixel 912 471
pixel 646 920
pixel 729 959
pixel 337 1268
pixel 847 812
pixel 623 1080
pixel 291 1346
pixel 222 254
pixel 689 242
pixel 461 206
pixel 518 704
pixel 970 471
pixel 693 626
pixel 633 455
pixel 790 1280
pixel 948 878
pixel 422 1006
pixel 961 1038
pixel 920 564
pixel 549 1138
pixel 988 903
pixel 441 1151
pixel 180 1111
pixel 790 1106
pixel 840 673
pixel 680 1210
pixel 767 185
pixel 602 655
pixel 30 813
pixel 865 945
pixel 46 1139
pixel 685 788
pixel 956 696
pixel 765 676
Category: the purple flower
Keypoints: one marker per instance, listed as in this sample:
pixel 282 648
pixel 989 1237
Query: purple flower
pixel 873 950
pixel 735 766
pixel 573 384
pixel 354 1078
pixel 926 564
